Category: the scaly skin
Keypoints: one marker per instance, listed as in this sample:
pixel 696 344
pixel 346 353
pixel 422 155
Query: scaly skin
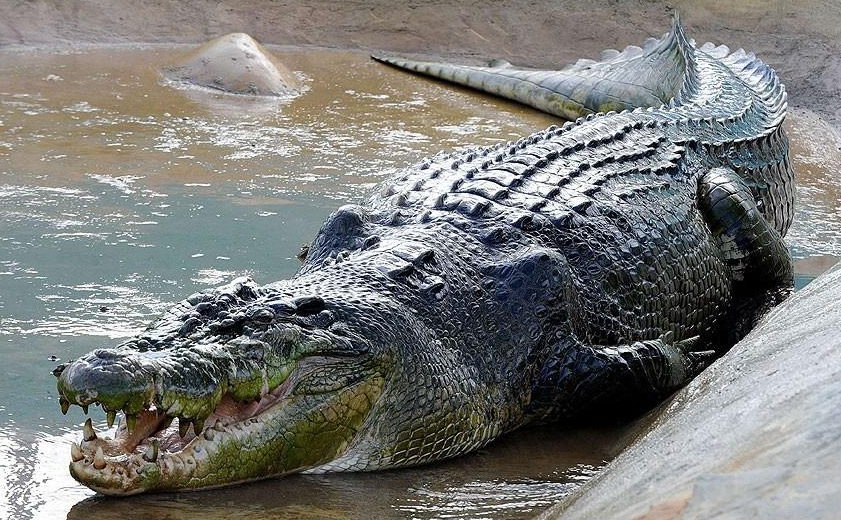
pixel 586 270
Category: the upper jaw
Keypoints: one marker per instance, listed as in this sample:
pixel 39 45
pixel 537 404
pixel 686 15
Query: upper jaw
pixel 187 383
pixel 238 339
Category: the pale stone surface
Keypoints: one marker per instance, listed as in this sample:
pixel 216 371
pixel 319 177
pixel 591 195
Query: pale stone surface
pixel 234 63
pixel 756 435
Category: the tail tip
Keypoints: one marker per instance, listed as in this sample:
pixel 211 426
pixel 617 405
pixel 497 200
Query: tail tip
pixel 677 26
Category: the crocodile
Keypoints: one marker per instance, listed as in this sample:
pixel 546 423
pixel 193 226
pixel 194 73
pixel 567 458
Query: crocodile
pixel 581 273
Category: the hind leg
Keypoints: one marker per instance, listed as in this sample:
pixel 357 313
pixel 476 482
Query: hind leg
pixel 759 261
pixel 754 251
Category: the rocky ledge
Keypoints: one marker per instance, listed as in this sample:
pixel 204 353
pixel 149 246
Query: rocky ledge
pixel 756 435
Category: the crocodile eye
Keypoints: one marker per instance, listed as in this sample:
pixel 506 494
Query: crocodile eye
pixel 307 305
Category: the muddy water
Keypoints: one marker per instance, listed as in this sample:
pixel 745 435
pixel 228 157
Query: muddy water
pixel 119 195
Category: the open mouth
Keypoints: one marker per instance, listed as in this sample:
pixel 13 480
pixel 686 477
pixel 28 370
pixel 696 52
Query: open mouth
pixel 153 443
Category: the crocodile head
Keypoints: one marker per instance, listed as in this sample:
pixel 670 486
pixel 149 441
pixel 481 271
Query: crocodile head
pixel 234 384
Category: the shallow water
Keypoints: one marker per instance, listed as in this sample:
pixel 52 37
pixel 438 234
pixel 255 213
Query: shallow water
pixel 119 195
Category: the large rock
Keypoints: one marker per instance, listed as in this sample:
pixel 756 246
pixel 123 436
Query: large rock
pixel 234 63
pixel 756 435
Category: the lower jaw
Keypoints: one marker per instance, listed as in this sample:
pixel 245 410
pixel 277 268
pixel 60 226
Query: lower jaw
pixel 206 461
pixel 155 456
pixel 256 448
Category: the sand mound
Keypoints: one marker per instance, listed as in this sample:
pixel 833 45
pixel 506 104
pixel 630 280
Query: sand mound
pixel 234 63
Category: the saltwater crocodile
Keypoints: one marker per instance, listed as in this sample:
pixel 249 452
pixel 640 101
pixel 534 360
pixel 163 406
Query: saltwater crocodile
pixel 583 271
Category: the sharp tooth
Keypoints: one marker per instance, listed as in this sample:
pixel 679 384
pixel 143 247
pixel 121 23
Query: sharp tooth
pixel 76 452
pixel 151 454
pixel 183 426
pixel 85 408
pixel 65 405
pixel 131 422
pixel 112 416
pixel 198 426
pixel 99 458
pixel 88 432
pixel 209 434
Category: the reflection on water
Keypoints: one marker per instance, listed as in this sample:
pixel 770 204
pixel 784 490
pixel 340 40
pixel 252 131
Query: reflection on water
pixel 119 196
pixel 815 235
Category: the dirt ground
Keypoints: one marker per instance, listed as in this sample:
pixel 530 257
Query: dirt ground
pixel 801 39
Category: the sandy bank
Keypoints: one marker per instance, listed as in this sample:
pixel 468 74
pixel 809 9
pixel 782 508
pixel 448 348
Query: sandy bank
pixel 801 39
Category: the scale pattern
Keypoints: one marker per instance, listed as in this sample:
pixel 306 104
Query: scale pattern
pixel 573 267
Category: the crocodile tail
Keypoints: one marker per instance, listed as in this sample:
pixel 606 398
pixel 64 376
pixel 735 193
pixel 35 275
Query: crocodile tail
pixel 660 72
pixel 761 78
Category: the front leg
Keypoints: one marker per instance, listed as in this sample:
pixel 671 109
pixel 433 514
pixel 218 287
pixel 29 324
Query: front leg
pixel 590 381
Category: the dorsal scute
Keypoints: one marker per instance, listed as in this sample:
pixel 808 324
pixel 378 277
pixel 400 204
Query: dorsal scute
pixel 705 95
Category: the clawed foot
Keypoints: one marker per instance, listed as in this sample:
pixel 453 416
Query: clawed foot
pixel 696 359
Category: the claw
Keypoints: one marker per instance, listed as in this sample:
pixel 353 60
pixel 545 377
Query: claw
pixel 151 454
pixel 88 433
pixel 111 417
pixel 65 405
pixel 701 359
pixel 76 452
pixel 99 459
pixel 183 426
pixel 689 344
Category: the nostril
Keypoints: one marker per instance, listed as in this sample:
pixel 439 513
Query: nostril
pixel 116 380
pixel 60 368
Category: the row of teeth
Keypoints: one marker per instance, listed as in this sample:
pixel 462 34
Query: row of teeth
pixel 150 455
pixel 131 419
pixel 89 435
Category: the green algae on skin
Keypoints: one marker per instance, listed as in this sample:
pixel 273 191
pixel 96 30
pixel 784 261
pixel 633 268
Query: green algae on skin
pixel 299 432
